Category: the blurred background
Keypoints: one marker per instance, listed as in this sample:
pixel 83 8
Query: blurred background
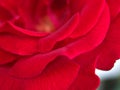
pixel 110 80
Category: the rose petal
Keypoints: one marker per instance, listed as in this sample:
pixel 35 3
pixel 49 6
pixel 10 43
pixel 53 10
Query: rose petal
pixel 114 8
pixel 7 82
pixel 6 57
pixel 89 15
pixel 11 28
pixel 59 35
pixel 28 10
pixel 10 5
pixel 114 31
pixel 18 45
pixel 57 76
pixel 106 58
pixel 76 6
pixel 92 39
pixel 85 78
pixel 34 65
pixel 110 51
pixel 5 14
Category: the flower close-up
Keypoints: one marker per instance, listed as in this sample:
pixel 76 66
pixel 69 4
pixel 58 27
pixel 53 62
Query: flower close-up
pixel 57 44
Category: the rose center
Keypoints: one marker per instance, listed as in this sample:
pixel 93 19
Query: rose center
pixel 45 25
pixel 56 13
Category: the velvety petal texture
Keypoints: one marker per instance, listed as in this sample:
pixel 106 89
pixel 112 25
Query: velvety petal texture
pixel 57 44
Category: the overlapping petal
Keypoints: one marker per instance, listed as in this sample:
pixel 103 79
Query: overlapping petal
pixel 57 76
pixel 18 45
pixel 61 70
pixel 87 22
pixel 92 39
pixel 83 79
pixel 86 37
pixel 86 75
pixel 59 35
pixel 6 57
pixel 9 27
pixel 109 52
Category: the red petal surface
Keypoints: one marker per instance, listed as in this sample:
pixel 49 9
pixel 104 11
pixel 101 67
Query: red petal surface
pixel 59 35
pixel 61 70
pixel 11 28
pixel 86 74
pixel 7 82
pixel 106 57
pixel 92 39
pixel 6 57
pixel 57 76
pixel 5 14
pixel 89 15
pixel 114 7
pixel 18 45
pixel 34 65
pixel 83 79
pixel 110 51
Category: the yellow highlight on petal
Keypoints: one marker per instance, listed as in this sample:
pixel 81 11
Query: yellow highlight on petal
pixel 45 25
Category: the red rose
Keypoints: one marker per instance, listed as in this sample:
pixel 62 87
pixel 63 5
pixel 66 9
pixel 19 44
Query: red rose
pixel 57 44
